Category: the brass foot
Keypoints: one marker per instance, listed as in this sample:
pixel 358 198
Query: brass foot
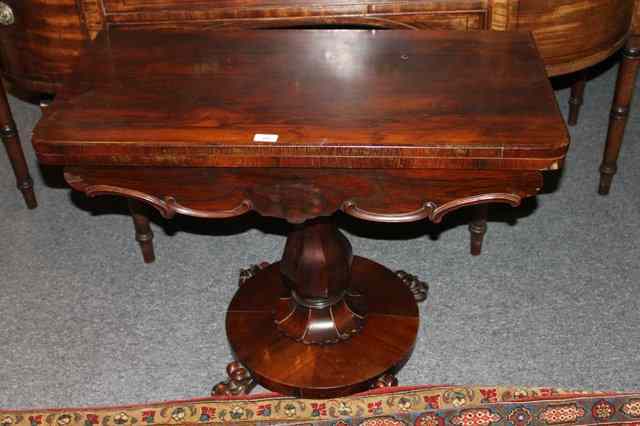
pixel 240 382
pixel 420 289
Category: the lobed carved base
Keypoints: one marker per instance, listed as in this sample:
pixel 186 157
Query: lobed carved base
pixel 419 288
pixel 282 364
pixel 240 380
pixel 321 326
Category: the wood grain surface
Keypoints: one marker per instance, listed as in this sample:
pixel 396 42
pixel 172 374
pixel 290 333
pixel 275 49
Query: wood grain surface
pixel 324 371
pixel 340 98
pixel 43 45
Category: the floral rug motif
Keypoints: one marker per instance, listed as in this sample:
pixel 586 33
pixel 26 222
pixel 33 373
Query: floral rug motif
pixel 419 406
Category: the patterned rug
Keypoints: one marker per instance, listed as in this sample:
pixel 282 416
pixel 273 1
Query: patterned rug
pixel 420 406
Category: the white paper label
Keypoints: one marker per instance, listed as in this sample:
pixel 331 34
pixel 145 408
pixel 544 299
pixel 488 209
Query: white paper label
pixel 263 137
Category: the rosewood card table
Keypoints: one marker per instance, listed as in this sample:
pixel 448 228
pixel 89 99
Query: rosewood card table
pixel 387 126
pixel 42 40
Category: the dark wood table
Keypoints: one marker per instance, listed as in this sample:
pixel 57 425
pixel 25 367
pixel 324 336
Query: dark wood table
pixel 387 126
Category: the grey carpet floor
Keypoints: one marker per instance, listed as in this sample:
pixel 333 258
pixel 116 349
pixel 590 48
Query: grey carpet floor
pixel 553 300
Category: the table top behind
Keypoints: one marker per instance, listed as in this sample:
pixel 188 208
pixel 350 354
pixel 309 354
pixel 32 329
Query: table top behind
pixel 334 98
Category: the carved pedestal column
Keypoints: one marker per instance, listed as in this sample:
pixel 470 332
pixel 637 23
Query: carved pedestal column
pixel 318 306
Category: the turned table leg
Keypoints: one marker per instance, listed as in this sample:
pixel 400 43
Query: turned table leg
pixel 11 140
pixel 144 235
pixel 478 228
pixel 577 97
pixel 619 112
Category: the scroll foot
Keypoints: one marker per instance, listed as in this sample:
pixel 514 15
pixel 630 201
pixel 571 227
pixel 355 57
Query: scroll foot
pixel 420 289
pixel 250 272
pixel 240 382
pixel 385 381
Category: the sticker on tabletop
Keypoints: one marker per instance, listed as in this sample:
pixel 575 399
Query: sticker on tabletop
pixel 265 137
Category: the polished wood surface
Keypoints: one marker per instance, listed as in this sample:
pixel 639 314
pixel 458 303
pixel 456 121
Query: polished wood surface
pixel 381 346
pixel 573 35
pixel 320 307
pixel 43 41
pixel 357 95
pixel 385 126
pixel 43 44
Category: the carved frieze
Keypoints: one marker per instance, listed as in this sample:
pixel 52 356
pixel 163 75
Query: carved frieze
pixel 298 195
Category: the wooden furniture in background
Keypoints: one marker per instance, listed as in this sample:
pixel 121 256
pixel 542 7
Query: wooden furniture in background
pixel 577 97
pixel 40 40
pixel 41 43
pixel 625 86
pixel 11 140
pixel 387 126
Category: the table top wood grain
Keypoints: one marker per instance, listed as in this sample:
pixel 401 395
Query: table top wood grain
pixel 334 98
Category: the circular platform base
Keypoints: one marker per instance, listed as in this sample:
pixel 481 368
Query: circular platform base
pixel 281 364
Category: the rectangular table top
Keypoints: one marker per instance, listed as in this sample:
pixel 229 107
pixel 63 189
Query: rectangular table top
pixel 307 98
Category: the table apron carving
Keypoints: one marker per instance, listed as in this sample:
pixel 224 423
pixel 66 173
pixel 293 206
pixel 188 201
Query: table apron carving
pixel 298 195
